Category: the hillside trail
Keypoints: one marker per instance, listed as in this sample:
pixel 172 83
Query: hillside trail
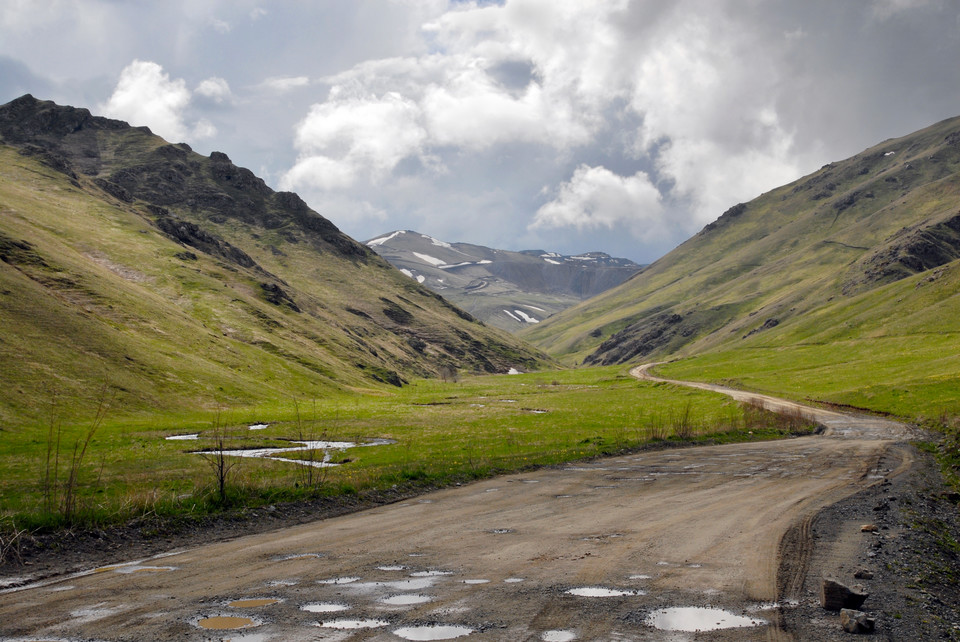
pixel 597 550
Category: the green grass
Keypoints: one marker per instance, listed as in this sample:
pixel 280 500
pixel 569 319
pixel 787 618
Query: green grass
pixel 443 433
pixel 893 350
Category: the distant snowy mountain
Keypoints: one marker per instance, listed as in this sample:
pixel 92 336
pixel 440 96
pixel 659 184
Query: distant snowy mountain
pixel 509 290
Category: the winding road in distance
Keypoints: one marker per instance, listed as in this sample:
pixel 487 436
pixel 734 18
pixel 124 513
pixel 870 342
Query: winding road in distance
pixel 587 551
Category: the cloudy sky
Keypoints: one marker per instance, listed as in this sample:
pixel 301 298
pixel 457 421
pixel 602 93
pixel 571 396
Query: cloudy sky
pixel 570 125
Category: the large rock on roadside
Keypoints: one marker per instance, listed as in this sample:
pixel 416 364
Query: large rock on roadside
pixel 854 621
pixel 835 596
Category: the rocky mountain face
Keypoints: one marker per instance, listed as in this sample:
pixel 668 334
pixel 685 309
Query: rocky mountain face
pixel 510 290
pixel 845 230
pixel 174 276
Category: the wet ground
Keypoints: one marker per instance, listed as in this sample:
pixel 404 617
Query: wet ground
pixel 607 550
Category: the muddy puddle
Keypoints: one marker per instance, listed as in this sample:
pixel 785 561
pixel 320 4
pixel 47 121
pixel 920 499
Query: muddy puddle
pixel 253 603
pixel 690 619
pixel 433 632
pixel 226 623
pixel 352 624
pixel 339 580
pixel 599 591
pixel 406 600
pixel 324 607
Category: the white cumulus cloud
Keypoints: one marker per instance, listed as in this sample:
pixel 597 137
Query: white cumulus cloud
pixel 215 89
pixel 146 95
pixel 595 197
pixel 349 138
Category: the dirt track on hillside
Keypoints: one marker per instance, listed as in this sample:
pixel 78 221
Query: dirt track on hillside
pixel 685 527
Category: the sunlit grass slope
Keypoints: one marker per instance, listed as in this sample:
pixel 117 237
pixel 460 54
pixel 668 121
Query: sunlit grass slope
pixel 182 282
pixel 895 349
pixel 850 227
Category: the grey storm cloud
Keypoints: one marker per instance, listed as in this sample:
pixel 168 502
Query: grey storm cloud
pixel 621 126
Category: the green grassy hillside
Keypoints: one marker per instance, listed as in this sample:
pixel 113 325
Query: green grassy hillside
pixel 895 349
pixel 848 229
pixel 182 282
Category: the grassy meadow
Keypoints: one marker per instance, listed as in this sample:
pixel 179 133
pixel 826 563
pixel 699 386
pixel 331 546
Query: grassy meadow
pixel 442 433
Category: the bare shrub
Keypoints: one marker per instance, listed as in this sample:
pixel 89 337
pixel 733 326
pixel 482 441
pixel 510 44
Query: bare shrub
pixel 220 463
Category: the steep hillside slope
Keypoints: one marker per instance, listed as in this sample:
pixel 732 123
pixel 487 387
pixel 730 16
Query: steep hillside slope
pixel 887 213
pixel 893 349
pixel 510 290
pixel 179 280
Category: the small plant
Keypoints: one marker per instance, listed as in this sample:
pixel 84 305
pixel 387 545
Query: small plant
pixel 10 542
pixel 219 461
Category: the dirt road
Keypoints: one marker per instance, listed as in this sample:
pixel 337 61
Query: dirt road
pixel 503 559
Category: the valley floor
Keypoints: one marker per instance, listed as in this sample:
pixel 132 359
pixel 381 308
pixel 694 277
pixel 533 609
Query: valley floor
pixel 748 528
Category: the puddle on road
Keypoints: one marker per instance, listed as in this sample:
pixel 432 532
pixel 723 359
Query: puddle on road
pixel 352 624
pixel 513 580
pixel 297 556
pixel 253 602
pixel 226 623
pixel 558 636
pixel 339 580
pixel 430 573
pixel 641 577
pixel 406 600
pixel 324 607
pixel 690 619
pixel 502 531
pixel 478 581
pixel 432 632
pixel 397 567
pixel 598 591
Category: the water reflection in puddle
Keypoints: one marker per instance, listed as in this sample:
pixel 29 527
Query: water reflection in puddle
pixel 273 452
pixel 324 607
pixel 406 600
pixel 597 591
pixel 225 623
pixel 476 581
pixel 694 618
pixel 190 437
pixel 432 632
pixel 558 636
pixel 352 624
pixel 430 573
pixel 253 603
pixel 339 580
pixel 259 426
pixel 513 580
pixel 297 556
pixel 417 584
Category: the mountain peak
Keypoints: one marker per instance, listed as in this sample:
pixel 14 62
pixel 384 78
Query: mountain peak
pixel 510 290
